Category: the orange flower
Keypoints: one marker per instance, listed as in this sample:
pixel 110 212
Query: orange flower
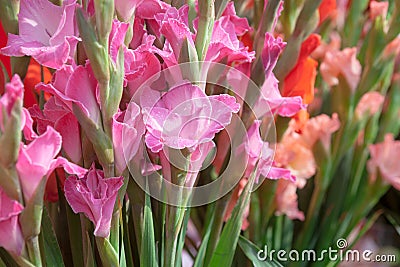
pixel 326 9
pixel 33 77
pixel 300 81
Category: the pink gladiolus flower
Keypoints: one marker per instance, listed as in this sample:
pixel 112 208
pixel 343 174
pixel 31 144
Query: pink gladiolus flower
pixel 173 24
pixel 258 150
pixel 241 24
pixel 36 160
pixel 185 116
pixel 140 64
pixel 384 157
pixel 378 9
pixel 286 200
pixel 77 86
pixel 369 104
pixel 10 231
pixel 95 196
pixel 341 63
pixel 117 37
pixel 63 121
pixel 224 44
pixel 46 32
pixel 270 95
pixel 128 129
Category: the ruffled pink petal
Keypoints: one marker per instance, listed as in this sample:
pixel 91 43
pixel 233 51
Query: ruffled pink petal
pixel 117 37
pixel 94 196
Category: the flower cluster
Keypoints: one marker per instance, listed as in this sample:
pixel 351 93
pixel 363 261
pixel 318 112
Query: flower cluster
pixel 106 103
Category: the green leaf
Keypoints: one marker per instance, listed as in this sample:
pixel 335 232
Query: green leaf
pixel 226 247
pixel 53 256
pixel 181 239
pixel 7 259
pixel 148 247
pixel 251 251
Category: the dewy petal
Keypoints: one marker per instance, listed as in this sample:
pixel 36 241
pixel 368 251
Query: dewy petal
pixel 10 231
pixel 95 196
pixel 185 117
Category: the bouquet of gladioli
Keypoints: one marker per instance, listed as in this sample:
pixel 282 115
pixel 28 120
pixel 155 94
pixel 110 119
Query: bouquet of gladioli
pixel 194 133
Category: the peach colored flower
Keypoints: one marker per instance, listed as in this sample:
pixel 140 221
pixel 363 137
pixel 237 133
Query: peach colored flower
pixel 320 128
pixel 323 48
pixel 392 49
pixel 378 9
pixel 384 158
pixel 286 200
pixel 342 63
pixel 369 104
pixel 295 156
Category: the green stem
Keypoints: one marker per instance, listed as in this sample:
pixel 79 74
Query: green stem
pixel 216 227
pixel 205 28
pixel 34 251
